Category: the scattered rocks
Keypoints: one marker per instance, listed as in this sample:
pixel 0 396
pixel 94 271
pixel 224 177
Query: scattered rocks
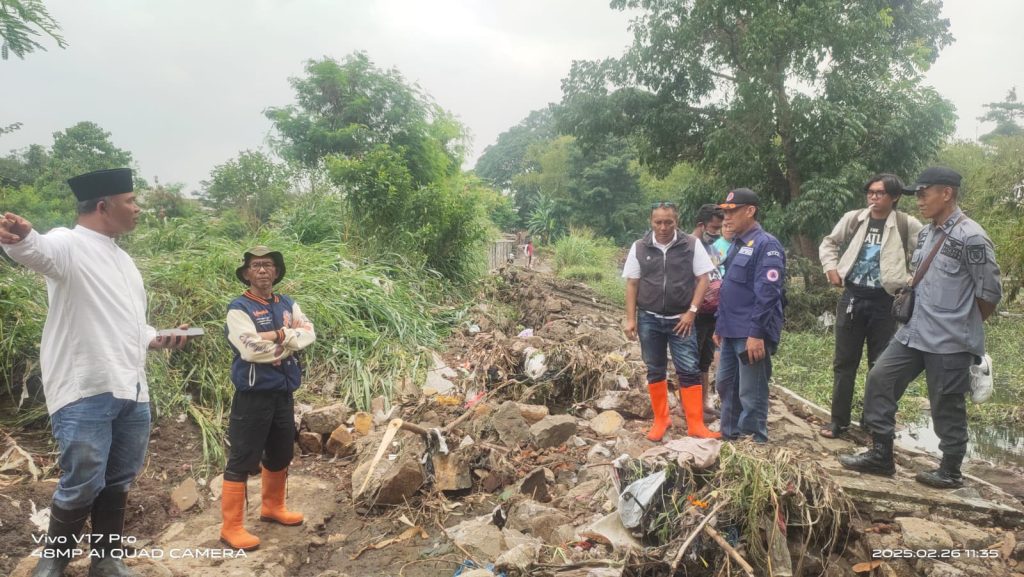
pixel 325 419
pixel 363 423
pixel 513 430
pixel 341 443
pixel 394 478
pixel 311 442
pixel 185 495
pixel 966 536
pixel 533 413
pixel 478 536
pixel 924 534
pixel 607 423
pixel 451 471
pixel 536 519
pixel 632 403
pixel 537 483
pixel 553 430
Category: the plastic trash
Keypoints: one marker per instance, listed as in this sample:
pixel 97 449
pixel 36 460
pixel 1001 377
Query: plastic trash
pixel 981 380
pixel 536 363
pixel 525 333
pixel 635 501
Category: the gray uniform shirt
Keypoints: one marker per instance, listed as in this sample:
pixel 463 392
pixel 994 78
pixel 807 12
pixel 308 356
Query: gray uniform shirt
pixel 946 318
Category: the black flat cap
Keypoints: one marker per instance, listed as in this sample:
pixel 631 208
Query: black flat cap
pixel 936 175
pixel 99 183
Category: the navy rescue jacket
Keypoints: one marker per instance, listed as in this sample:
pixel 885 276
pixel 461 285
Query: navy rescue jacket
pixel 266 316
pixel 751 296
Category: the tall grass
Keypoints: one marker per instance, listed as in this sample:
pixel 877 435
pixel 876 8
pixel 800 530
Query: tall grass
pixel 804 364
pixel 584 257
pixel 375 319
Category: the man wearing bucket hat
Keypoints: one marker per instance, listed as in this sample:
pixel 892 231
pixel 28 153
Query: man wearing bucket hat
pixel 957 290
pixel 749 323
pixel 266 330
pixel 93 361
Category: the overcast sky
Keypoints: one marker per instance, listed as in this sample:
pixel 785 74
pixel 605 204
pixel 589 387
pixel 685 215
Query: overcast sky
pixel 182 84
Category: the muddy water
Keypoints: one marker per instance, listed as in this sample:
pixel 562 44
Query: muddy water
pixel 1000 445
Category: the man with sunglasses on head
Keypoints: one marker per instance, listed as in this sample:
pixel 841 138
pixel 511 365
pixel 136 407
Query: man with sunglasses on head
pixel 877 240
pixel 266 331
pixel 958 289
pixel 749 323
pixel 666 275
pixel 93 361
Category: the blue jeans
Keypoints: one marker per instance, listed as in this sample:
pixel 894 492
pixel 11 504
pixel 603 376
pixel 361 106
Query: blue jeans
pixel 656 339
pixel 744 391
pixel 102 442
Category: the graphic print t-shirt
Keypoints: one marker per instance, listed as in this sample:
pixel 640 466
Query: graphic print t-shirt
pixel 866 271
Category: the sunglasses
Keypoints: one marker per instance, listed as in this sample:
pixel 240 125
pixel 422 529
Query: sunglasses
pixel 663 204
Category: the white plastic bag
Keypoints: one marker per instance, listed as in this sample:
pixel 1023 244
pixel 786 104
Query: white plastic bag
pixel 981 380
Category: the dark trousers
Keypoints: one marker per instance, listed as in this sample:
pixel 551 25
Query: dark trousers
pixel 704 324
pixel 869 319
pixel 949 379
pixel 262 429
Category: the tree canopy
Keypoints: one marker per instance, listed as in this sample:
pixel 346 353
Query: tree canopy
pixel 22 23
pixel 800 100
pixel 1005 114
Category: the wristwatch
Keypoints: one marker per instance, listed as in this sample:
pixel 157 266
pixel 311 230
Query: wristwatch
pixel 693 308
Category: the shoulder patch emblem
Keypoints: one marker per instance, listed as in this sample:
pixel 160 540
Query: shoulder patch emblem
pixel 772 275
pixel 952 248
pixel 774 253
pixel 976 254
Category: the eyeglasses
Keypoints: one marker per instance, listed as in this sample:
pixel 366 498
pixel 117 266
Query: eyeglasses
pixel 261 265
pixel 662 204
pixel 874 193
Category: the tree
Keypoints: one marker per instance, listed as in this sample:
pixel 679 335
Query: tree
pixel 1005 114
pixel 394 155
pixel 351 108
pixel 21 22
pixel 509 157
pixel 786 97
pixel 252 184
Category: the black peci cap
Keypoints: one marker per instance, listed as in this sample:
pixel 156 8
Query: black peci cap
pixel 99 183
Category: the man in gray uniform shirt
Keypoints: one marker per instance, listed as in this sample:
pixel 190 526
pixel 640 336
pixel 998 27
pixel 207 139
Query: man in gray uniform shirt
pixel 943 337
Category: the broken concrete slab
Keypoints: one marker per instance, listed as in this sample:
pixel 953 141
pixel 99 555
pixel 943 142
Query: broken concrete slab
pixel 479 536
pixel 325 419
pixel 964 535
pixel 903 497
pixel 553 431
pixel 923 534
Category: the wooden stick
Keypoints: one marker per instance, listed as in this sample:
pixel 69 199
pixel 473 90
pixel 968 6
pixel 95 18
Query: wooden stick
pixel 730 550
pixel 693 535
